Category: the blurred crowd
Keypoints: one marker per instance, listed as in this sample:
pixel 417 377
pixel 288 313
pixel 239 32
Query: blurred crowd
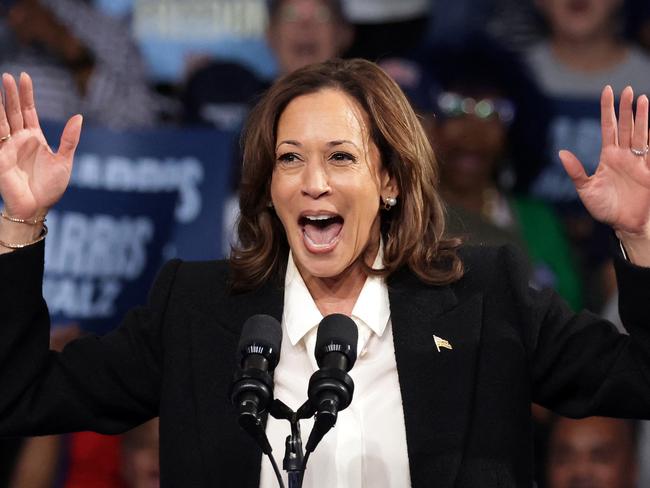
pixel 500 86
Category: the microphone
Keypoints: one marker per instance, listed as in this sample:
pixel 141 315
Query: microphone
pixel 251 390
pixel 331 388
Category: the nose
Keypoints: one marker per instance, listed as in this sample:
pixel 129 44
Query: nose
pixel 315 180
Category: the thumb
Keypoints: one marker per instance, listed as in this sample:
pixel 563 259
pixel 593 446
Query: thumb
pixel 574 168
pixel 70 137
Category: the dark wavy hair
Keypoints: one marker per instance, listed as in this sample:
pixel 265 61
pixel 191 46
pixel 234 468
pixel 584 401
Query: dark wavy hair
pixel 413 230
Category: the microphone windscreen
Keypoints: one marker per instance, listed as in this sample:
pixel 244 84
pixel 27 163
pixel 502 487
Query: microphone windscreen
pixel 337 333
pixel 261 334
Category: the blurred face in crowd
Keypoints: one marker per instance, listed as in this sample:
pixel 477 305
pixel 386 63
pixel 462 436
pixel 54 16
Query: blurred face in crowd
pixel 469 137
pixel 580 20
pixel 303 32
pixel 140 453
pixel 595 452
pixel 327 183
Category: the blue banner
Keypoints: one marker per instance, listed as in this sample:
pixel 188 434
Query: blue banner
pixel 102 253
pixel 134 198
pixel 194 162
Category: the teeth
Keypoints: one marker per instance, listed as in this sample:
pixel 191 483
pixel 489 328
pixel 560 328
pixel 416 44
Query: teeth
pixel 318 217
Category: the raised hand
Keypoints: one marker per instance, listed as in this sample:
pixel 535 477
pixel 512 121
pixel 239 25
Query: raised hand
pixel 618 193
pixel 32 176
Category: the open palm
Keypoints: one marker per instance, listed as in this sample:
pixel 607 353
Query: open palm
pixel 32 176
pixel 618 193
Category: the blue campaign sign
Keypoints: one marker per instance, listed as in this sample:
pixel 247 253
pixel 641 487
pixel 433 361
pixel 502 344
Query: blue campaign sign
pixel 102 253
pixel 131 196
pixel 194 162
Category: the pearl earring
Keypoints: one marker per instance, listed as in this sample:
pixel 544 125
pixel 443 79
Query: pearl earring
pixel 389 202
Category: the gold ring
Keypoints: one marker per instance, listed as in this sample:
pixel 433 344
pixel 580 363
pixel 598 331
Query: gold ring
pixel 5 138
pixel 640 152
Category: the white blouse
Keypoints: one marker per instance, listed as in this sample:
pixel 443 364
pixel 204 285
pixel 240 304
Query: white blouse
pixel 367 446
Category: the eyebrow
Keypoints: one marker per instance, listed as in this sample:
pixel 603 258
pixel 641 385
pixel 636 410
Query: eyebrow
pixel 337 142
pixel 290 142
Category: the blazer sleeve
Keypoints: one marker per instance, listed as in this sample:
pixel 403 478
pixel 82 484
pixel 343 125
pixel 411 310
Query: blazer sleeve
pixel 107 384
pixel 580 365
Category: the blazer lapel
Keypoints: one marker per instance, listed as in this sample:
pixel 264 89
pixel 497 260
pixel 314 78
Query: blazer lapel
pixel 437 383
pixel 231 458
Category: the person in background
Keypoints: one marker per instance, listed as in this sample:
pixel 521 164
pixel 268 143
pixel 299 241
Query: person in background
pixel 80 60
pixel 300 32
pixel 489 152
pixel 594 452
pixel 583 50
pixel 140 456
pixel 484 116
pixel 303 32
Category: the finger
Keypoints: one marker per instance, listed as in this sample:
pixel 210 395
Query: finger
pixel 70 137
pixel 574 169
pixel 608 117
pixel 27 106
pixel 625 118
pixel 12 103
pixel 4 123
pixel 640 136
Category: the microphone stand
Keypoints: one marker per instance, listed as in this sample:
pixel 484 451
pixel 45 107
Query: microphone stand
pixel 294 459
pixel 330 390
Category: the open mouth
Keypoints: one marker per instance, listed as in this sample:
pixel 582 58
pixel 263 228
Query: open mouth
pixel 321 232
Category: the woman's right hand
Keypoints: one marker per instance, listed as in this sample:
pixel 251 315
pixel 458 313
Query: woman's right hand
pixel 32 176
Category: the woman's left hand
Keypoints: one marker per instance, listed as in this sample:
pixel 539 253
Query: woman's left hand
pixel 618 193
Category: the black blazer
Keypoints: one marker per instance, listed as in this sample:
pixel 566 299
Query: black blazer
pixel 467 410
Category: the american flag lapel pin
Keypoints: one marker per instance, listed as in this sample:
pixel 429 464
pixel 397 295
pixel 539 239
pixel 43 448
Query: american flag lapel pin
pixel 441 343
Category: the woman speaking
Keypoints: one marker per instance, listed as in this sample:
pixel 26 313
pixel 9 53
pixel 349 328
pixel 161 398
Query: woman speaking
pixel 340 212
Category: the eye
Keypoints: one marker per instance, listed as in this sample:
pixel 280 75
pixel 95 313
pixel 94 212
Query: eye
pixel 288 158
pixel 343 157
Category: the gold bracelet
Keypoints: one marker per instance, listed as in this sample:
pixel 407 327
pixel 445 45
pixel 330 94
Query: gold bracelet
pixel 10 245
pixel 39 220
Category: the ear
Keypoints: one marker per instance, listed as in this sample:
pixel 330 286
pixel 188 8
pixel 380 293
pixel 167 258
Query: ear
pixel 389 186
